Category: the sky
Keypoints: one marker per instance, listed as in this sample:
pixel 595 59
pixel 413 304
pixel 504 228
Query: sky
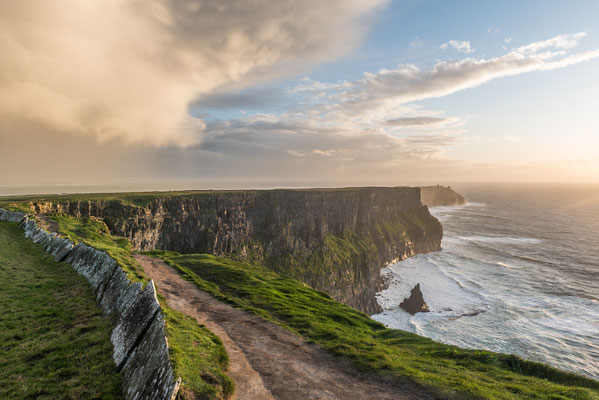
pixel 169 94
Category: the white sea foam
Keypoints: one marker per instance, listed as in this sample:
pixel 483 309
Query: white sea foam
pixel 500 239
pixel 497 285
pixel 445 296
pixel 506 265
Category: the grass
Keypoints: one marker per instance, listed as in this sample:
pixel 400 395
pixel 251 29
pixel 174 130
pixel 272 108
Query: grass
pixel 138 199
pixel 196 354
pixel 341 265
pixel 320 269
pixel 95 233
pixel 55 343
pixel 448 370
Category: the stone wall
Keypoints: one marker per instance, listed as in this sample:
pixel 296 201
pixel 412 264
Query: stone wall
pixel 140 349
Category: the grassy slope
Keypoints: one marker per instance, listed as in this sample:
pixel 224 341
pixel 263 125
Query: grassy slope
pixel 140 199
pixel 197 355
pixel 449 370
pixel 55 343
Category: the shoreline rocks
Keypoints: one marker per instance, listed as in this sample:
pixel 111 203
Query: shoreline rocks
pixel 415 303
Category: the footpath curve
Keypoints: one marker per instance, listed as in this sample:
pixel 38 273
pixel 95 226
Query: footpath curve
pixel 267 361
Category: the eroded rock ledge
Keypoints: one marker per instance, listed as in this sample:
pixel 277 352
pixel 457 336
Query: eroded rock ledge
pixel 436 196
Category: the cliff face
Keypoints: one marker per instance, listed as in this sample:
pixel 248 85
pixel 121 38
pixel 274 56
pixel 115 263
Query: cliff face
pixel 335 240
pixel 436 196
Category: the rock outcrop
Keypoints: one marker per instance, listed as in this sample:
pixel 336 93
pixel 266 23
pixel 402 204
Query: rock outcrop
pixel 415 303
pixel 436 196
pixel 335 240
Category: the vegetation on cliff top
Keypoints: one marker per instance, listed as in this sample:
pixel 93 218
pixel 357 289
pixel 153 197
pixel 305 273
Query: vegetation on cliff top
pixel 448 370
pixel 55 341
pixel 138 199
pixel 95 233
pixel 196 354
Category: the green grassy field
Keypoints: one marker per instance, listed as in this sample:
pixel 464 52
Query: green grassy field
pixel 196 354
pixel 55 343
pixel 448 370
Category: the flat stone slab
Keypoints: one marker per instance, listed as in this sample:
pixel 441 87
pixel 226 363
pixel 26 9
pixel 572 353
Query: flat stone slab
pixel 158 381
pixel 133 323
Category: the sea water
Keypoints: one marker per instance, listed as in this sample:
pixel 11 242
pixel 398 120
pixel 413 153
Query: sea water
pixel 518 273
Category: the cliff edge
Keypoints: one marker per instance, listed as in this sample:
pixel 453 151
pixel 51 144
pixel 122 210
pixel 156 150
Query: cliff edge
pixel 436 196
pixel 335 240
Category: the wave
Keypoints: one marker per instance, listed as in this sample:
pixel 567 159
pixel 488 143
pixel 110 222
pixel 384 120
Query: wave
pixel 501 239
pixel 510 266
pixel 455 208
pixel 506 265
pixel 441 290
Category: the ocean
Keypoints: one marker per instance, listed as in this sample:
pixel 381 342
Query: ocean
pixel 518 273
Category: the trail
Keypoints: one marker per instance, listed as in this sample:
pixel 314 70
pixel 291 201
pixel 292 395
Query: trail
pixel 267 361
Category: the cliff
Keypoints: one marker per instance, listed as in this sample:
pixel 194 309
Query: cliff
pixel 436 196
pixel 335 240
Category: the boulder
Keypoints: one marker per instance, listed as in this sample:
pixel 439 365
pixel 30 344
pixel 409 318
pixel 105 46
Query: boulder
pixel 415 303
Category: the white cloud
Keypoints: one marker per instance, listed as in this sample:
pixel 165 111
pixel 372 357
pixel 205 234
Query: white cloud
pixel 416 42
pixel 387 89
pixel 129 68
pixel 375 117
pixel 513 139
pixel 565 41
pixel 461 46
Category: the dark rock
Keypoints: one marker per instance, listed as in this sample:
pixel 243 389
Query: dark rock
pixel 147 373
pixel 63 252
pixel 415 303
pixel 133 324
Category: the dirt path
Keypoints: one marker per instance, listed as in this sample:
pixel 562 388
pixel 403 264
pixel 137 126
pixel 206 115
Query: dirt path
pixel 267 361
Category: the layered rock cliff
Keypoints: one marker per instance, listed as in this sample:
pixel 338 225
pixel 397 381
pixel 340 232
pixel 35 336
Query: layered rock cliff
pixel 335 240
pixel 436 196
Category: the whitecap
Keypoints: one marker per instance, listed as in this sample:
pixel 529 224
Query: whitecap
pixel 500 239
pixel 506 265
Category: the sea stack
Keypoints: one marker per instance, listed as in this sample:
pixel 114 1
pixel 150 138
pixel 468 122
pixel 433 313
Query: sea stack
pixel 415 303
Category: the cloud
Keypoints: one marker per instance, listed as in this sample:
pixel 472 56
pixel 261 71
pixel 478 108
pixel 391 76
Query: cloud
pixel 374 117
pixel 415 121
pixel 513 139
pixel 249 99
pixel 565 41
pixel 416 42
pixel 461 46
pixel 408 83
pixel 128 69
pixel 375 121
